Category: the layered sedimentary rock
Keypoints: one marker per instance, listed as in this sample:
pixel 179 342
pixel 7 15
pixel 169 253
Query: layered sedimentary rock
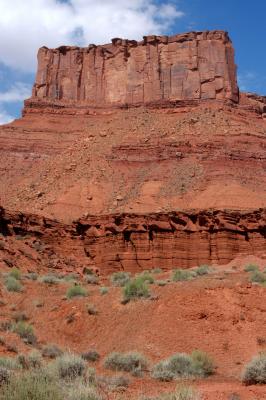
pixel 133 242
pixel 192 66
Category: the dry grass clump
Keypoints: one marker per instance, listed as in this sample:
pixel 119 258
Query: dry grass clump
pixel 120 278
pixel 181 365
pixel 132 362
pixel 13 285
pixel 51 351
pixel 70 366
pixel 255 371
pixel 136 288
pixel 76 291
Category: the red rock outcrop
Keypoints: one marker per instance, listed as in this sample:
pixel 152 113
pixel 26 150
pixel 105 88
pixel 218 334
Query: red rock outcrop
pixel 160 69
pixel 133 242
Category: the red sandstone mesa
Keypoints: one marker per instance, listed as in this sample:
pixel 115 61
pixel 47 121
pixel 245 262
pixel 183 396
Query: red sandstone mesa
pixel 191 66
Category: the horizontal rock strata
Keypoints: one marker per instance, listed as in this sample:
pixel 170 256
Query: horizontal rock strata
pixel 137 242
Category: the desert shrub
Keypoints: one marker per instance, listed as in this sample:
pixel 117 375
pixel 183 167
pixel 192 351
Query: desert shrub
pixel 136 288
pixel 132 362
pixel 185 393
pixel 120 278
pixel 91 355
pixel 156 270
pixel 91 309
pixel 35 359
pixel 258 277
pixel 13 285
pixel 76 291
pixel 31 385
pixel 183 365
pixel 161 283
pixel 49 279
pixel 82 391
pixel 202 270
pixel 32 276
pixel 182 275
pixel 20 316
pixel 51 351
pixel 70 366
pixel 25 331
pixel 92 279
pixel 104 290
pixel 202 363
pixel 15 273
pixel 251 268
pixel 255 371
pixel 4 376
pixel 5 326
pixel 114 382
pixel 146 277
pixel 71 277
pixel 9 363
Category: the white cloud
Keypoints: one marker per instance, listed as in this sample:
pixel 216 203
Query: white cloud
pixel 5 117
pixel 28 25
pixel 18 92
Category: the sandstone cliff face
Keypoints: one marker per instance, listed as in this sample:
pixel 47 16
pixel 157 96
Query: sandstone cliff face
pixel 192 66
pixel 131 242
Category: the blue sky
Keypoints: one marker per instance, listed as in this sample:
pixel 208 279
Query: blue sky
pixel 25 26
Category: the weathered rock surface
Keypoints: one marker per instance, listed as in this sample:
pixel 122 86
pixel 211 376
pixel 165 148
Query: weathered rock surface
pixel 133 242
pixel 191 66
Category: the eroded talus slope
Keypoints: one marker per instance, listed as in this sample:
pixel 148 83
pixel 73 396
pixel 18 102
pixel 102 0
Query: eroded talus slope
pixel 137 160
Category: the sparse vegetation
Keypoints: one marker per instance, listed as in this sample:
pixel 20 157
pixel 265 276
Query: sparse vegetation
pixel 161 283
pixel 182 275
pixel 50 279
pixel 76 291
pixel 15 273
pixel 32 276
pixel 132 362
pixel 146 277
pixel 104 290
pixel 31 385
pixel 255 371
pixel 251 268
pixel 25 331
pixel 156 270
pixel 92 279
pixel 136 288
pixel 91 355
pixel 258 277
pixel 4 376
pixel 183 365
pixel 13 285
pixel 70 366
pixel 120 278
pixel 91 309
pixel 202 270
pixel 51 351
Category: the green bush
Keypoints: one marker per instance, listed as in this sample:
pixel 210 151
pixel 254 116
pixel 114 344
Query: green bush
pixel 76 291
pixel 70 366
pixel 120 278
pixel 202 363
pixel 182 275
pixel 13 285
pixel 31 386
pixel 104 290
pixel 251 268
pixel 202 270
pixel 182 365
pixel 132 362
pixel 136 288
pixel 25 331
pixel 15 273
pixel 146 277
pixel 255 371
pixel 51 351
pixel 258 277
